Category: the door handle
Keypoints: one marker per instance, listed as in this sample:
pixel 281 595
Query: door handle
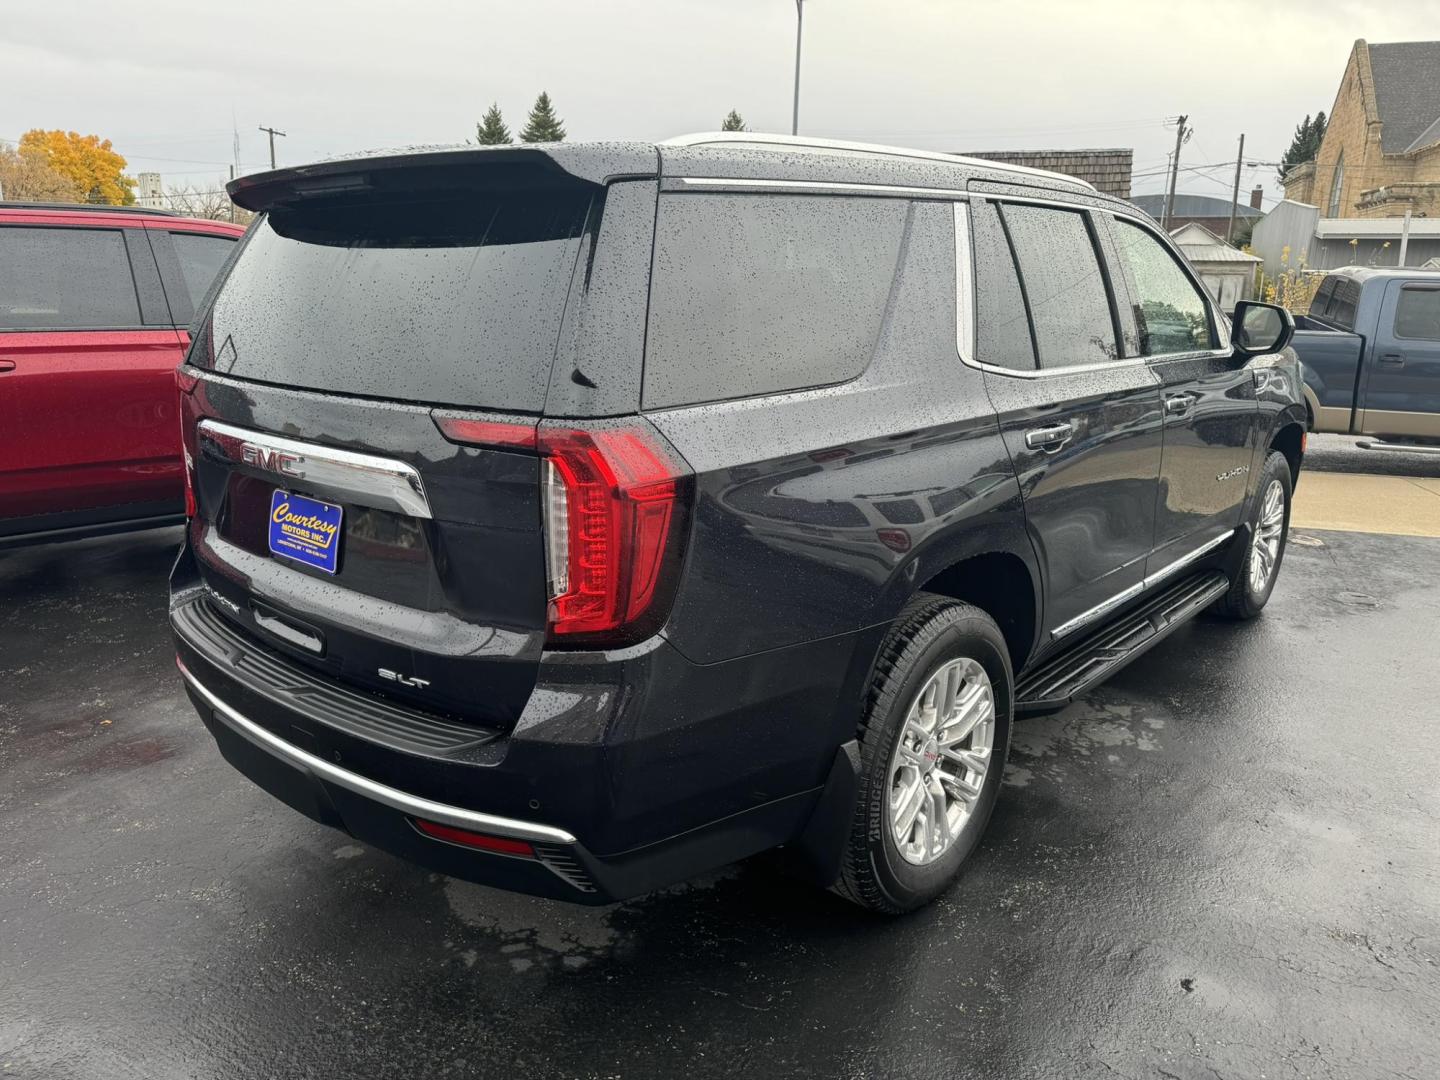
pixel 1178 404
pixel 1050 439
pixel 1393 359
pixel 7 365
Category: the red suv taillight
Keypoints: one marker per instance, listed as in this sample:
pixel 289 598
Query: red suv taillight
pixel 184 384
pixel 614 497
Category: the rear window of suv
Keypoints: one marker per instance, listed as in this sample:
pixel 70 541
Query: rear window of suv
pixel 760 294
pixel 439 300
pixel 65 279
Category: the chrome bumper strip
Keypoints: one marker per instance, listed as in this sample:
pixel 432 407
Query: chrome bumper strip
pixel 405 803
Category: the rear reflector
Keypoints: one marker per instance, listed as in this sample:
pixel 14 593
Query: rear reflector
pixel 501 845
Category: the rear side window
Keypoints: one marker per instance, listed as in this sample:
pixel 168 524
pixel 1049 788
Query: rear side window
pixel 1322 296
pixel 759 294
pixel 1002 327
pixel 65 279
pixel 1169 309
pixel 452 299
pixel 1069 304
pixel 1417 314
pixel 200 259
pixel 1343 302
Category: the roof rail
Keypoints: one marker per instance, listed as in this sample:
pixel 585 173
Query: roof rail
pixel 767 141
pixel 89 208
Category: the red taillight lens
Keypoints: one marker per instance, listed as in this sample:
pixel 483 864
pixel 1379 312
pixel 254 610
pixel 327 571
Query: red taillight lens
pixel 614 497
pixel 501 845
pixel 185 382
pixel 613 502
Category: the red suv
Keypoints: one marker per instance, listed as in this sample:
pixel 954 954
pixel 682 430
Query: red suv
pixel 94 305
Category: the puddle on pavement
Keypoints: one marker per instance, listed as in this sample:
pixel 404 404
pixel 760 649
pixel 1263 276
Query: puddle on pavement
pixel 528 933
pixel 1089 728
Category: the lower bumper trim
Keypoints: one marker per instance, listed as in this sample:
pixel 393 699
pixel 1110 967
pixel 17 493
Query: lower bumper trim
pixel 395 799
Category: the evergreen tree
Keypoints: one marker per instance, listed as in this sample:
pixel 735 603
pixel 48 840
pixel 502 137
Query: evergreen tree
pixel 1305 144
pixel 492 131
pixel 733 122
pixel 543 125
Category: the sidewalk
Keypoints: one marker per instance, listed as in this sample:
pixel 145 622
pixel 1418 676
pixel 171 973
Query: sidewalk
pixel 1360 502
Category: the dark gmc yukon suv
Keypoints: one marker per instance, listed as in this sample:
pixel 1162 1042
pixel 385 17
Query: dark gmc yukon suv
pixel 579 518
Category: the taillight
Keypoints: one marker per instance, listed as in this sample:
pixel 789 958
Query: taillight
pixel 184 384
pixel 614 498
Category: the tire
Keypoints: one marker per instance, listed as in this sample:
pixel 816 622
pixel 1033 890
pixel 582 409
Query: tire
pixel 1247 596
pixel 934 637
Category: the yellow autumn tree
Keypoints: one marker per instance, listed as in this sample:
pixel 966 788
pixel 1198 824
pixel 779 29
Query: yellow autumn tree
pixel 88 160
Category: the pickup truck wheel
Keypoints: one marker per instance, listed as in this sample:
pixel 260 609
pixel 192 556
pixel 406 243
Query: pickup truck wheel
pixel 933 741
pixel 1255 575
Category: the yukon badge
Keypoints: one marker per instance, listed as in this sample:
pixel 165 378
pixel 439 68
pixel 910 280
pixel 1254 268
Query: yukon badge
pixel 272 460
pixel 403 680
pixel 1239 470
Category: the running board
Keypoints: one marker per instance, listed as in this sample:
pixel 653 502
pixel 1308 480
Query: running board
pixel 1400 448
pixel 1058 681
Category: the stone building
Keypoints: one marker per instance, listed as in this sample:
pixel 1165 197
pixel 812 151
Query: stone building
pixel 1108 170
pixel 1381 153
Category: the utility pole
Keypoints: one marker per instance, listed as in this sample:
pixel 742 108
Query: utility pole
pixel 1404 238
pixel 1235 195
pixel 272 133
pixel 1174 171
pixel 799 29
pixel 227 195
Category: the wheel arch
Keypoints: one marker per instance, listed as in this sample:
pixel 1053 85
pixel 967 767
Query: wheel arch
pixel 1001 584
pixel 1289 439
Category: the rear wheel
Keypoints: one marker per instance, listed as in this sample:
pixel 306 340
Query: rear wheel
pixel 933 743
pixel 1254 578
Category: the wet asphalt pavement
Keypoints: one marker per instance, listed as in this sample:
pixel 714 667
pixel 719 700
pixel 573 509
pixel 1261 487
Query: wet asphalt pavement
pixel 1225 863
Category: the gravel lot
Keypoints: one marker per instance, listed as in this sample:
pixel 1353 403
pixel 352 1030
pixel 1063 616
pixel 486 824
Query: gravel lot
pixel 1225 863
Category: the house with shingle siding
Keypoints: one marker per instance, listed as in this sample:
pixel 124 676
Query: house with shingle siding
pixel 1381 153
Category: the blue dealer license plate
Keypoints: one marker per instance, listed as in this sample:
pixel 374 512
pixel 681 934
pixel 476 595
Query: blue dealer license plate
pixel 306 530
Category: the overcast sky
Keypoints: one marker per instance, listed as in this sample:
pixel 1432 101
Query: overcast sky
pixel 163 78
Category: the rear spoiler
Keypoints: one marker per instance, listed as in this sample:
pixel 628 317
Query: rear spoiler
pixel 449 169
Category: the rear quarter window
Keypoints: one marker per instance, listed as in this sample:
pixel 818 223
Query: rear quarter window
pixel 761 294
pixel 200 257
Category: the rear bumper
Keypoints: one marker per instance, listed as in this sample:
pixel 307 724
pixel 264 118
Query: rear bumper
pixel 626 773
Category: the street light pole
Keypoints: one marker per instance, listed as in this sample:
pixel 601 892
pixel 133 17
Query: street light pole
pixel 799 28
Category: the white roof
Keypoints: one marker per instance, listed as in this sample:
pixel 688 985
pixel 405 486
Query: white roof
pixel 1201 245
pixel 1214 253
pixel 1374 228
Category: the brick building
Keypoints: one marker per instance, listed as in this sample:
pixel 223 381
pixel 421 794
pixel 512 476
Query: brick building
pixel 1381 151
pixel 1108 170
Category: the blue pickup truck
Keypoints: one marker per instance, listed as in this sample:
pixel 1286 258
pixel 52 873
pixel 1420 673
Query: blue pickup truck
pixel 1370 355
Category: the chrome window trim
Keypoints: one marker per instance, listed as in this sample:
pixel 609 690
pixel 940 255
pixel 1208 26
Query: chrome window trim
pixel 711 183
pixel 1150 580
pixel 394 798
pixel 967 355
pixel 364 479
pixel 964 286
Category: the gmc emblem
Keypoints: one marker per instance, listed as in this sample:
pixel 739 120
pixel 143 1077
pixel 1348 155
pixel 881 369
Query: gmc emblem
pixel 272 460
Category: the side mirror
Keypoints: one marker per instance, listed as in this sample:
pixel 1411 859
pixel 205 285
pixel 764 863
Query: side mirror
pixel 1261 328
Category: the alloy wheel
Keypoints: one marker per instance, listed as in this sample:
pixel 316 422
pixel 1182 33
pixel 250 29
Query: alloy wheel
pixel 938 768
pixel 1265 548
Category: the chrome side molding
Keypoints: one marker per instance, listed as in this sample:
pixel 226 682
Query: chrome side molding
pixel 362 479
pixel 1086 617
